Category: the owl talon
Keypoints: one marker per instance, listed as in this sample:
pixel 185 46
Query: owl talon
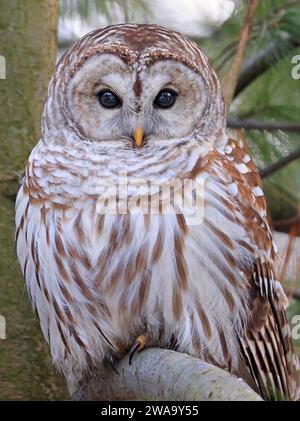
pixel 112 361
pixel 138 346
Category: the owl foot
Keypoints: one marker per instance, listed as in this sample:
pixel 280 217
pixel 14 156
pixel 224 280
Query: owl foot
pixel 138 346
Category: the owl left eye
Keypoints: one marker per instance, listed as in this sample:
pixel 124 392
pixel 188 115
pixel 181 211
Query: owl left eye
pixel 165 98
pixel 109 99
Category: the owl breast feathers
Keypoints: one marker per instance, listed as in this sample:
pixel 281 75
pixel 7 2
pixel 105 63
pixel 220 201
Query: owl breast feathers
pixel 138 215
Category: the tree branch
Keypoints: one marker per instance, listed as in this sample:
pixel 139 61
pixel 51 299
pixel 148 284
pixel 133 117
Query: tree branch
pixel 236 123
pixel 263 61
pixel 158 374
pixel 265 172
pixel 230 80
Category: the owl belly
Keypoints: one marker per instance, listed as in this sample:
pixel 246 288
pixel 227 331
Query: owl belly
pixel 99 281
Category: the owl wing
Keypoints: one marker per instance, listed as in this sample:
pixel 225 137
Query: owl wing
pixel 266 345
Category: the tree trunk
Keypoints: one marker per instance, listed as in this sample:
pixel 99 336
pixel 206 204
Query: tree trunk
pixel 28 50
pixel 28 44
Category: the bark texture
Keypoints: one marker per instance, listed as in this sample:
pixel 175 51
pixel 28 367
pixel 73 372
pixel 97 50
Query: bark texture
pixel 28 44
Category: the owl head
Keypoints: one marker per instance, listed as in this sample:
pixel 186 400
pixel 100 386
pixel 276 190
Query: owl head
pixel 135 85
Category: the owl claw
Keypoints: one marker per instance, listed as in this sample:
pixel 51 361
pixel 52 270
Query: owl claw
pixel 138 346
pixel 112 361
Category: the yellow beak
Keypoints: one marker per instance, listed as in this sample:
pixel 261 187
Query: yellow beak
pixel 138 136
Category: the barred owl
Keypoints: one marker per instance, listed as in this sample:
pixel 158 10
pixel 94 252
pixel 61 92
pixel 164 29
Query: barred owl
pixel 141 103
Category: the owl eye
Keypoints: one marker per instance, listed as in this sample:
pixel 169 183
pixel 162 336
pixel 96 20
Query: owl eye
pixel 165 98
pixel 108 99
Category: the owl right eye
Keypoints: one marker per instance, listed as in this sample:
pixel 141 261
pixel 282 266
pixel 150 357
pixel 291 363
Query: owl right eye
pixel 109 99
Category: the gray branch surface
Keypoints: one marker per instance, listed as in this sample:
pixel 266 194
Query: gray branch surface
pixel 159 374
